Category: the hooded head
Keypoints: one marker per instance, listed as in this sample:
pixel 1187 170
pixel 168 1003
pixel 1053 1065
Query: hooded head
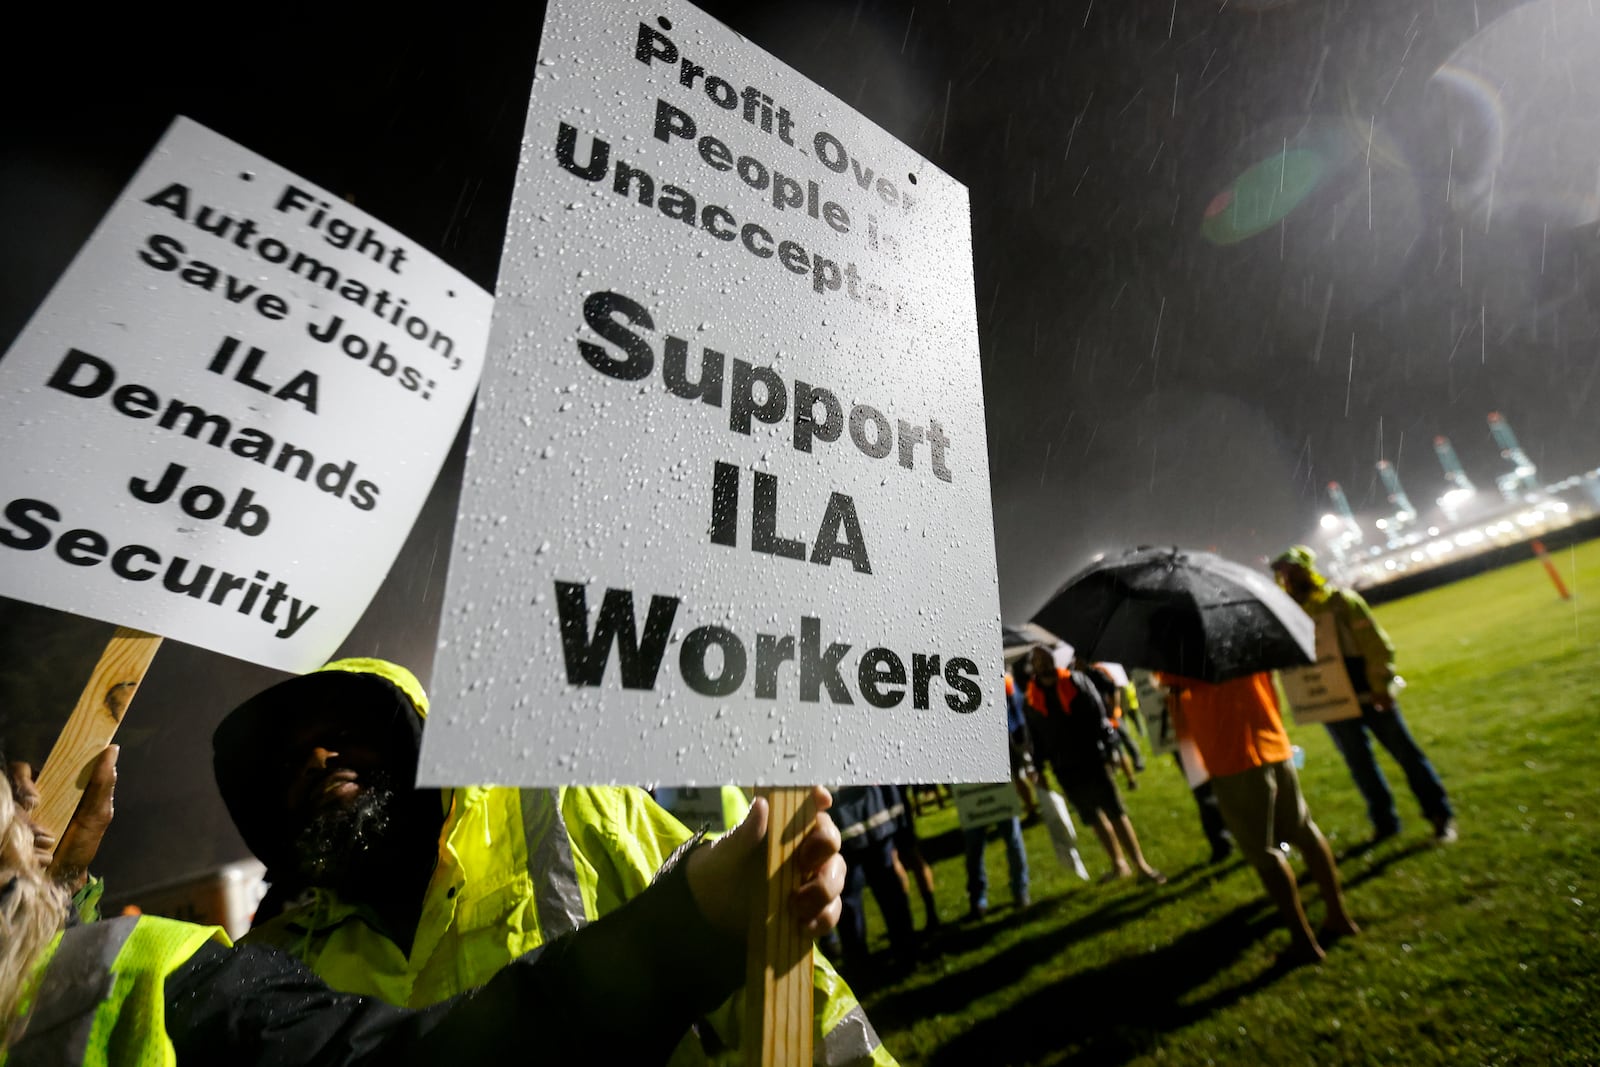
pixel 333 743
pixel 1296 571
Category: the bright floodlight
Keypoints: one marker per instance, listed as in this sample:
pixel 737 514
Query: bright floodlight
pixel 1330 522
pixel 1382 524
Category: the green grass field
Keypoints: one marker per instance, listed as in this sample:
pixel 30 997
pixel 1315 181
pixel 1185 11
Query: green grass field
pixel 1487 951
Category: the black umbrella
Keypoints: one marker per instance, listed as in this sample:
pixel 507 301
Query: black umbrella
pixel 1190 613
pixel 1018 641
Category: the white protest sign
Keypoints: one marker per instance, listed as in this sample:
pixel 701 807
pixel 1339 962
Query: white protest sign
pixel 1322 692
pixel 222 422
pixel 727 515
pixel 986 803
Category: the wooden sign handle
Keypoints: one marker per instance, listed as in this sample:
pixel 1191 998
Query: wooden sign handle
pixel 92 725
pixel 777 1031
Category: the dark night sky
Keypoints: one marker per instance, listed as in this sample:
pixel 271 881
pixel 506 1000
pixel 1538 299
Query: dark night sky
pixel 1142 384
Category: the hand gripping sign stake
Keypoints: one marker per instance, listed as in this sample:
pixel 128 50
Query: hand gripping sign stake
pixel 778 968
pixel 92 725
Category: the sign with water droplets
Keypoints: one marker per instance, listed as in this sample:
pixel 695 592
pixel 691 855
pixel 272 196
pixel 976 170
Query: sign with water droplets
pixel 726 516
pixel 222 422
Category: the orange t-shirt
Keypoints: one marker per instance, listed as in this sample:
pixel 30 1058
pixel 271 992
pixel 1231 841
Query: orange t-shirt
pixel 1235 724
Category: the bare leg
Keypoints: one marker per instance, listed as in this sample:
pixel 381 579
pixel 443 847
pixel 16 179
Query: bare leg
pixel 1102 830
pixel 1130 843
pixel 900 873
pixel 1279 880
pixel 1319 857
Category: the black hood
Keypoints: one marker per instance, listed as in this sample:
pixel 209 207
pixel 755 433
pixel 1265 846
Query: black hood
pixel 249 746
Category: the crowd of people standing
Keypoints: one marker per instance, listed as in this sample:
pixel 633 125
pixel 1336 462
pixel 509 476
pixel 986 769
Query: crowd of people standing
pixel 389 904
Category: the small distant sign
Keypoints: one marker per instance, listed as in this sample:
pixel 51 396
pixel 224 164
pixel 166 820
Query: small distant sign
pixel 985 803
pixel 696 807
pixel 1153 709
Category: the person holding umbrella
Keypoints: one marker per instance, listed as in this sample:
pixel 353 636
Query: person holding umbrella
pixel 1369 659
pixel 1237 728
pixel 1075 732
pixel 1208 621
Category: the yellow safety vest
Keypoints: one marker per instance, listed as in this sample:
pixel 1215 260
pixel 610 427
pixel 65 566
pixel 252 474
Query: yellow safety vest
pixel 517 868
pixel 102 997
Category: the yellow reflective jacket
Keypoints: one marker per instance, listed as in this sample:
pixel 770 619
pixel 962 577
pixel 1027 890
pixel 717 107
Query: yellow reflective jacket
pixel 1368 653
pixel 101 998
pixel 516 868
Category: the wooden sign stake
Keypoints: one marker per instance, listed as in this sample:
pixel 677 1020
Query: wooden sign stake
pixel 92 725
pixel 777 1031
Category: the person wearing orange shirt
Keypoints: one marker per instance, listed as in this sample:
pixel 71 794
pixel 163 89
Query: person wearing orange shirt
pixel 1237 727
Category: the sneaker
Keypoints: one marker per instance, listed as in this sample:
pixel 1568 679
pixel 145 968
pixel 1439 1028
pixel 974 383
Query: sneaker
pixel 1383 833
pixel 1023 900
pixel 976 913
pixel 1444 831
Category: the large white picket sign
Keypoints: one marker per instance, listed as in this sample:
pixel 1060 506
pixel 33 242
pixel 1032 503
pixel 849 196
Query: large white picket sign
pixel 727 515
pixel 222 422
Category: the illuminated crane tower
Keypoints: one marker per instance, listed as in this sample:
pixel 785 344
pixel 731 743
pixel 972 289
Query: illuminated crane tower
pixel 1404 514
pixel 1339 526
pixel 1519 483
pixel 1461 488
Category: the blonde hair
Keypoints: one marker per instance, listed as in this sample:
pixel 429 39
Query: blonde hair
pixel 32 911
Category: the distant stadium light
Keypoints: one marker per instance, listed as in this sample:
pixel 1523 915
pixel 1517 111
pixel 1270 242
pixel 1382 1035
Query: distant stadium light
pixel 1330 522
pixel 1382 524
pixel 1418 557
pixel 1560 507
pixel 1433 531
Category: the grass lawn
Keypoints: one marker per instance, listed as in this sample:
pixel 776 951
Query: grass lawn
pixel 1487 951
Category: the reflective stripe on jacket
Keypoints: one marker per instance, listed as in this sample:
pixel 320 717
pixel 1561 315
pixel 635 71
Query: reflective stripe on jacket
pixel 101 1000
pixel 518 868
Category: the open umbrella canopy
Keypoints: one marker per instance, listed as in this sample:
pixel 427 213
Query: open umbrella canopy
pixel 1188 613
pixel 1018 641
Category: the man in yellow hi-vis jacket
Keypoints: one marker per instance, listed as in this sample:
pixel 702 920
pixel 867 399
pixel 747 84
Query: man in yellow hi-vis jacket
pixel 415 895
pixel 156 992
pixel 1368 657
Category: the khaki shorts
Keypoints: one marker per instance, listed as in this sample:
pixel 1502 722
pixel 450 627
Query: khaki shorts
pixel 1262 807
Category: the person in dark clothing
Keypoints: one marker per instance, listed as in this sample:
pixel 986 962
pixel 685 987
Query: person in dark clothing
pixel 1205 799
pixel 1019 743
pixel 867 817
pixel 910 864
pixel 182 994
pixel 1073 728
pixel 1211 824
